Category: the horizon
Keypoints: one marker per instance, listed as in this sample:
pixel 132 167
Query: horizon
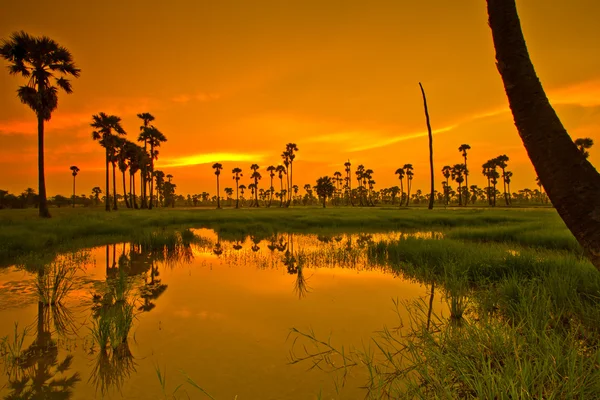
pixel 338 79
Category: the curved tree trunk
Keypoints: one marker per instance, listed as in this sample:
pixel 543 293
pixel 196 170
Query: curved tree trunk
pixel 430 146
pixel 570 181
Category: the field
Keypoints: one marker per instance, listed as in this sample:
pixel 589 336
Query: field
pixel 522 302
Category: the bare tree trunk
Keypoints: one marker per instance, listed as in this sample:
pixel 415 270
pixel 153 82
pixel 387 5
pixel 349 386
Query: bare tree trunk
pixel 114 187
pixel 125 191
pixel 570 181
pixel 430 147
pixel 43 203
pixel 73 191
pixel 107 203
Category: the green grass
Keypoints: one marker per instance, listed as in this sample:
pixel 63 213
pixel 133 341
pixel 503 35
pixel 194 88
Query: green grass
pixel 24 233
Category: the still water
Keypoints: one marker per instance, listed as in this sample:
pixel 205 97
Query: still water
pixel 216 311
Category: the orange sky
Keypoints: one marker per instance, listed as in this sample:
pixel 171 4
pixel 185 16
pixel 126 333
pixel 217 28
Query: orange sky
pixel 234 81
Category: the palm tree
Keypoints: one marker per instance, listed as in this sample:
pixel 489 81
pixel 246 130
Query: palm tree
pixel 122 158
pixel 400 173
pixel 280 171
pixel 290 149
pixel 347 168
pixel 96 191
pixel 256 176
pixel 217 167
pixel 104 126
pixel 583 144
pixel 159 176
pixel 39 59
pixel 236 177
pixel 570 181
pixel 446 171
pixel 242 188
pixel 155 138
pixel 463 149
pixel 408 168
pixel 458 171
pixel 501 162
pixel 271 169
pixel 74 171
pixel 507 176
pixel 143 137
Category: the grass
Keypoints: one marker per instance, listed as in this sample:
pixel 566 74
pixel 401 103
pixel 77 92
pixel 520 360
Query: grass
pixel 24 233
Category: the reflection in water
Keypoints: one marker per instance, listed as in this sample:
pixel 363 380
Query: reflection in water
pixel 131 281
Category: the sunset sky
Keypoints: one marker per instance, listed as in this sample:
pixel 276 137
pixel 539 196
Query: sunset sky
pixel 234 81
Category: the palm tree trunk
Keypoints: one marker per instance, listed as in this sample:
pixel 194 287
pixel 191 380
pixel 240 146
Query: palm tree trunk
pixel 570 181
pixel 430 146
pixel 125 191
pixel 114 187
pixel 466 181
pixel 218 196
pixel 407 191
pixel 151 175
pixel 401 192
pixel 237 196
pixel 43 203
pixel 73 191
pixel 134 201
pixel 106 194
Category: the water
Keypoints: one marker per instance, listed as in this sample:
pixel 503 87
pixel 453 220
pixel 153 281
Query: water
pixel 216 311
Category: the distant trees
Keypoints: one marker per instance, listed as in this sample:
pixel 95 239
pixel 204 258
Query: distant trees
pixel 400 172
pixel 256 176
pixel 45 64
pixel 463 149
pixel 408 169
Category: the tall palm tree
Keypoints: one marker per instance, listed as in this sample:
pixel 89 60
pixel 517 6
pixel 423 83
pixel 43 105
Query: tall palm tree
pixel 159 176
pixel 217 167
pixel 155 138
pixel 256 176
pixel 281 170
pixel 570 181
pixel 74 171
pixel 122 159
pixel 463 149
pixel 143 137
pixel 104 126
pixel 458 171
pixel 271 170
pixel 583 144
pixel 501 162
pixel 408 168
pixel 40 60
pixel 507 176
pixel 347 168
pixel 237 174
pixel 447 171
pixel 400 173
pixel 290 149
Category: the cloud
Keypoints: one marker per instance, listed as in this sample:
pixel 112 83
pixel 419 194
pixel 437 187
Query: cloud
pixel 207 158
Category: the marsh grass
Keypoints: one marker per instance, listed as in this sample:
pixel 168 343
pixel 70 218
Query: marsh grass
pixel 11 349
pixel 77 228
pixel 524 323
pixel 55 279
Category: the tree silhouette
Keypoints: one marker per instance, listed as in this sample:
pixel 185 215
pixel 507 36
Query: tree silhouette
pixel 501 162
pixel 256 176
pixel 347 168
pixel 237 174
pixel 400 172
pixel 583 144
pixel 40 60
pixel 281 170
pixel 143 137
pixel 463 149
pixel 218 167
pixel 104 126
pixel 96 191
pixel 458 171
pixel 154 137
pixel 570 181
pixel 447 171
pixel 408 169
pixel 74 171
pixel 325 188
pixel 291 150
